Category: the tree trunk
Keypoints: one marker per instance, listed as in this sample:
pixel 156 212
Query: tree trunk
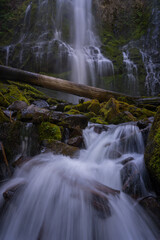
pixel 58 84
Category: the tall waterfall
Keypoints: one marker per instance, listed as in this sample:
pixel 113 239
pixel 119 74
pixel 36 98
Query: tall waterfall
pixel 55 199
pixel 61 39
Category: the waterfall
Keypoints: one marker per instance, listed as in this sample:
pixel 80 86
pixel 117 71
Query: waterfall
pixel 148 48
pixel 132 75
pixel 55 200
pixel 61 39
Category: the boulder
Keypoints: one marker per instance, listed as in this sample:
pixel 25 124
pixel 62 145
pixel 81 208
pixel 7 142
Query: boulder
pixel 18 105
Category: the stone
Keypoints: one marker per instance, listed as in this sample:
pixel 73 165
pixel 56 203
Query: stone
pixel 58 147
pixel 18 105
pixel 131 180
pixel 123 162
pixel 76 141
pixel 41 104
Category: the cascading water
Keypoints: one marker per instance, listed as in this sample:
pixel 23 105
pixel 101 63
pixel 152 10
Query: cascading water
pixel 56 194
pixel 62 39
pixel 132 75
pixel 148 47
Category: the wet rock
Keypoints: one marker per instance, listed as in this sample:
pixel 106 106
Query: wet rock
pixel 76 142
pixel 67 120
pixel 60 107
pixel 58 147
pixel 100 128
pixel 126 160
pixel 18 105
pixel 114 154
pixel 34 114
pixel 130 177
pixel 142 124
pixel 152 206
pixel 41 104
pixel 20 161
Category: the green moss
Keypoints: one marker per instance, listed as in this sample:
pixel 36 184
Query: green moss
pixel 152 153
pixel 98 120
pixel 49 132
pixel 3 101
pixel 90 115
pixel 68 108
pixel 73 112
pixel 3 117
pixel 14 94
pixel 52 101
pixel 94 106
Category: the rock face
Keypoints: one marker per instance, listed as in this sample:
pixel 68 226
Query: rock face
pixel 152 153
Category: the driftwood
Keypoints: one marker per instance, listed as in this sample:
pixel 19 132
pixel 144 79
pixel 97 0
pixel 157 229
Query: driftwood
pixel 58 84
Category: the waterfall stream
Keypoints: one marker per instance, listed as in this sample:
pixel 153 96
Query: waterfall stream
pixel 55 199
pixel 72 48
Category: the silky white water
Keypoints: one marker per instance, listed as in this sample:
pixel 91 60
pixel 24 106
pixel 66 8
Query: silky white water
pixel 55 199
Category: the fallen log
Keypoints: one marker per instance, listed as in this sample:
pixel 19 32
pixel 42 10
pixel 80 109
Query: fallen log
pixel 57 84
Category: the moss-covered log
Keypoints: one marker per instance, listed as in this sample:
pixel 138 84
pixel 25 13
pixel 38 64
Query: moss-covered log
pixel 58 84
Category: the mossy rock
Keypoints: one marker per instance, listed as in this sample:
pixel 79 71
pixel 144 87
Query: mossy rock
pixel 83 107
pixel 3 101
pixel 14 94
pixel 52 101
pixel 49 131
pixel 68 108
pixel 73 112
pixel 94 106
pixel 98 120
pixel 90 115
pixel 3 117
pixel 152 153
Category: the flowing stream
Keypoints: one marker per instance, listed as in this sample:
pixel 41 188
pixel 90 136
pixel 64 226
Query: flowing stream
pixel 57 196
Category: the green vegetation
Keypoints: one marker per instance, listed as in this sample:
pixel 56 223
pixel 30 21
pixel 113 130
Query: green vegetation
pixel 49 132
pixel 152 153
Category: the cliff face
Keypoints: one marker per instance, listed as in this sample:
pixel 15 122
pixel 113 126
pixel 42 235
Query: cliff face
pixel 125 29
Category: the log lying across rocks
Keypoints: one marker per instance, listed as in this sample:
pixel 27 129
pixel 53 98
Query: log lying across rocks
pixel 57 84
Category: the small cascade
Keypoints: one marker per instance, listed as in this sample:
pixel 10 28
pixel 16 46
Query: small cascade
pixel 26 139
pixel 132 74
pixel 7 48
pixel 57 196
pixel 148 47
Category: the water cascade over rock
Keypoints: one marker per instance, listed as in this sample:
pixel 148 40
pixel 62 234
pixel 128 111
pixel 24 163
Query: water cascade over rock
pixel 61 39
pixel 146 49
pixel 56 197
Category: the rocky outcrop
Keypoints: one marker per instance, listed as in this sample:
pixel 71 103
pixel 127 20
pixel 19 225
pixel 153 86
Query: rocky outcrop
pixel 152 153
